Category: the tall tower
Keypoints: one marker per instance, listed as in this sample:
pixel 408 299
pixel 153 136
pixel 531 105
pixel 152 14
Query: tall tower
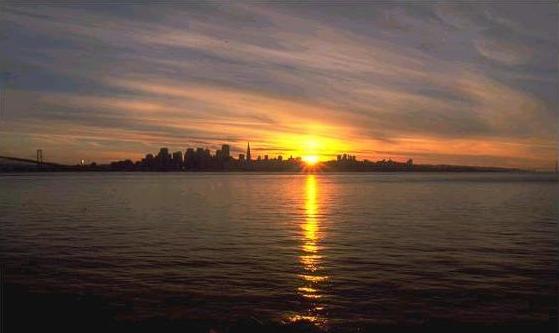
pixel 248 151
pixel 5 77
pixel 39 157
pixel 225 151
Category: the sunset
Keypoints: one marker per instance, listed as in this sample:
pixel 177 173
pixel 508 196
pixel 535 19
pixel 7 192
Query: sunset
pixel 439 83
pixel 279 166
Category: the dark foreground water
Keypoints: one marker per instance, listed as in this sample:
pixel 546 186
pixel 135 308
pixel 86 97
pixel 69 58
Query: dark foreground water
pixel 338 252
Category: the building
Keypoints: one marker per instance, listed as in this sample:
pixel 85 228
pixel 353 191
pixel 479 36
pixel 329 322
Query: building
pixel 199 158
pixel 189 157
pixel 164 153
pixel 163 158
pixel 177 156
pixel 225 152
pixel 177 160
pixel 248 152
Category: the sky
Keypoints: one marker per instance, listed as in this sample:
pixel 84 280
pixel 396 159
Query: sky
pixel 438 82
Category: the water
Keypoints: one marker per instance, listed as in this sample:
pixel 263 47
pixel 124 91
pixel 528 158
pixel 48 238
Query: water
pixel 338 250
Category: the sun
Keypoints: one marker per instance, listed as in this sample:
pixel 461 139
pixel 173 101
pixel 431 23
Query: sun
pixel 310 159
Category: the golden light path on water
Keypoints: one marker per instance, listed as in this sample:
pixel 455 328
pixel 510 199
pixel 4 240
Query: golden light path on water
pixel 311 259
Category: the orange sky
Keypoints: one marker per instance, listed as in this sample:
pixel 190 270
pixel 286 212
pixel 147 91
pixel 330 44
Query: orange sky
pixel 473 85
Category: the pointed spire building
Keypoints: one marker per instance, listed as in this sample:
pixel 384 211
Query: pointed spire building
pixel 248 151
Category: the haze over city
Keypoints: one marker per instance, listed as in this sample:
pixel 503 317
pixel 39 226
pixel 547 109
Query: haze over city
pixel 439 83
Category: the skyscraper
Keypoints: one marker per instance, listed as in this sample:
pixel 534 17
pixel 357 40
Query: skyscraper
pixel 177 160
pixel 225 152
pixel 248 151
pixel 189 158
pixel 163 158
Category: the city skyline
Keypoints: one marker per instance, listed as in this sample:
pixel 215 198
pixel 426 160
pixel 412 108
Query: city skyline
pixel 444 83
pixel 202 158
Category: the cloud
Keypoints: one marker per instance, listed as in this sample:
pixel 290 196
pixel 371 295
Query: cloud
pixel 507 53
pixel 361 79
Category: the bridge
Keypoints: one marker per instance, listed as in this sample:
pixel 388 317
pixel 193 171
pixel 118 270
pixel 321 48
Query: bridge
pixel 18 162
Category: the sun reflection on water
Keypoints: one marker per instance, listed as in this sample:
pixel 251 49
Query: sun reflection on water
pixel 311 259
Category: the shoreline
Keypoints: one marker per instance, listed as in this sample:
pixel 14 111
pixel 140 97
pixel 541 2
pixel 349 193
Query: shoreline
pixel 241 171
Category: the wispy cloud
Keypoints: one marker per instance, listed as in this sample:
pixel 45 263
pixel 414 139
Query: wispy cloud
pixel 435 82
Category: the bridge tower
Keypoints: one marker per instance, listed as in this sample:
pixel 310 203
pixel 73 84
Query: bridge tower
pixel 39 157
pixel 5 78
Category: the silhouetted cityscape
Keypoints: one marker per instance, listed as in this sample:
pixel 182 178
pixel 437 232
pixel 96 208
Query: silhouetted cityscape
pixel 202 159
